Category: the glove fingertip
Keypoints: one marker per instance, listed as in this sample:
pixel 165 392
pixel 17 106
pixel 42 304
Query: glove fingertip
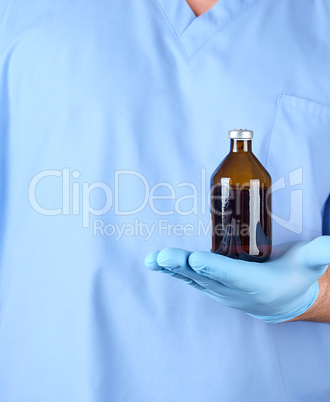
pixel 151 261
pixel 172 257
pixel 196 260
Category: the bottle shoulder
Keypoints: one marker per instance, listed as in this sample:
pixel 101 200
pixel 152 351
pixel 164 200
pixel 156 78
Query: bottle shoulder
pixel 241 167
pixel 261 167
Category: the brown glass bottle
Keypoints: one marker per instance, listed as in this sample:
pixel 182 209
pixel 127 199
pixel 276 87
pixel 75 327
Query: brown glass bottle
pixel 241 203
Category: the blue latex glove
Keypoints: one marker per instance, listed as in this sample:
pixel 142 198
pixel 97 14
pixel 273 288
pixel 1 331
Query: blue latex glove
pixel 274 291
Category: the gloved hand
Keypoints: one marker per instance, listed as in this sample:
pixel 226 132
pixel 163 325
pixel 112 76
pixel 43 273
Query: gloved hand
pixel 278 290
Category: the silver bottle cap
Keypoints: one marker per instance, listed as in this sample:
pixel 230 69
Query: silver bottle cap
pixel 239 134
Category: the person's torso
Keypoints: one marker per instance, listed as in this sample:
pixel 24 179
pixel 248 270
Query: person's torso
pixel 106 108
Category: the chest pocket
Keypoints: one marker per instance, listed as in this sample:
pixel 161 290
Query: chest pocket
pixel 298 160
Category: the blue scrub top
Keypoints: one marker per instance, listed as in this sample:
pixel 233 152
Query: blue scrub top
pixel 113 117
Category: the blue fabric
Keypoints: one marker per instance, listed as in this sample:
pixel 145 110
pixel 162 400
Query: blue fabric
pixel 91 88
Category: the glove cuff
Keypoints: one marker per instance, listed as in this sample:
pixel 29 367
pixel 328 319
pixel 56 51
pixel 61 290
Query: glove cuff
pixel 303 306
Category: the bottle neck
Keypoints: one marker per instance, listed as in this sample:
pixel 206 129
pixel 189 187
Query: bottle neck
pixel 240 145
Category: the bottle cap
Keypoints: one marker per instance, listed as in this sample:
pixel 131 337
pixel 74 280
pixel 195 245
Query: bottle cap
pixel 240 134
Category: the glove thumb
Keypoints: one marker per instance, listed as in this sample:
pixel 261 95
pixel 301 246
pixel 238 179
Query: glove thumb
pixel 316 254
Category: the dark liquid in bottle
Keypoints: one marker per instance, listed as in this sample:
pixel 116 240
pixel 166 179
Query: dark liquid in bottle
pixel 241 222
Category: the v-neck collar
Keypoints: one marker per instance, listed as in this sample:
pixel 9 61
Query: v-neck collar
pixel 194 32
